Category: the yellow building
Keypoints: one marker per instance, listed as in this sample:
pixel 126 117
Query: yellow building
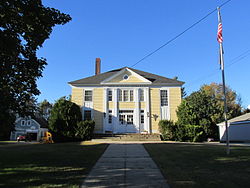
pixel 127 100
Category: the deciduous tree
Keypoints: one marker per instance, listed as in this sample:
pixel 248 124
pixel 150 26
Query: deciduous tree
pixel 201 109
pixel 24 26
pixel 215 90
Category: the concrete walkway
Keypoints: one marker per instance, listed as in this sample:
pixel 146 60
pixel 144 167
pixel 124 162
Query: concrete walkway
pixel 125 165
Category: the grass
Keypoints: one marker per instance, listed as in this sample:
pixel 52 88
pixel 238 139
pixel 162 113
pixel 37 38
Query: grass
pixel 47 165
pixel 200 165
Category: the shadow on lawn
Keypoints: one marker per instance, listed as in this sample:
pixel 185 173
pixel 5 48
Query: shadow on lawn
pixel 53 165
pixel 202 165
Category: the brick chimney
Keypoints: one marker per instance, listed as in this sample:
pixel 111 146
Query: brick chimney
pixel 97 66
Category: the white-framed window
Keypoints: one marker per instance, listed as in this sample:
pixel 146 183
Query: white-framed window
pixel 120 95
pixel 164 97
pixel 88 95
pixel 126 95
pixel 110 117
pixel 23 123
pixel 110 98
pixel 122 119
pixel 142 117
pixel 125 77
pixel 130 119
pixel 141 94
pixel 29 122
pixel 131 94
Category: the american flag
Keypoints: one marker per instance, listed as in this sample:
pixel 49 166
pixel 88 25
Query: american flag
pixel 219 33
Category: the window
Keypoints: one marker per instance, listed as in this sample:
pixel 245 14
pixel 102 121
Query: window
pixel 125 77
pixel 141 94
pixel 109 95
pixel 87 114
pixel 29 122
pixel 120 95
pixel 130 119
pixel 110 117
pixel 131 95
pixel 122 119
pixel 23 122
pixel 88 95
pixel 126 95
pixel 142 116
pixel 164 98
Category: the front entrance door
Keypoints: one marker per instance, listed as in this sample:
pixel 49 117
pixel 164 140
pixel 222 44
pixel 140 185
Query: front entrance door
pixel 126 122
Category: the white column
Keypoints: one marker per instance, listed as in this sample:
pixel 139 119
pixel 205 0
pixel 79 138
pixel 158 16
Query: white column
pixel 115 111
pixel 137 110
pixel 105 109
pixel 147 118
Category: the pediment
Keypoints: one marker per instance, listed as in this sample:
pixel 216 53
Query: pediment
pixel 126 76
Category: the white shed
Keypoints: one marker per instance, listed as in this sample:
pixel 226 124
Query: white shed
pixel 238 129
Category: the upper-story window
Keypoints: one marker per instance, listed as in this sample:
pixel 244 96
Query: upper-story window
pixel 29 122
pixel 88 95
pixel 109 95
pixel 126 95
pixel 125 77
pixel 141 94
pixel 164 97
pixel 23 122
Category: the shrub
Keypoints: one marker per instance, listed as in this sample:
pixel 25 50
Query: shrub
pixel 64 118
pixel 194 133
pixel 174 131
pixel 167 129
pixel 85 129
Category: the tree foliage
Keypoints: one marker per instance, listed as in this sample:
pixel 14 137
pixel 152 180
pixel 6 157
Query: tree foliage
pixel 64 118
pixel 24 26
pixel 44 109
pixel 215 90
pixel 200 109
pixel 205 108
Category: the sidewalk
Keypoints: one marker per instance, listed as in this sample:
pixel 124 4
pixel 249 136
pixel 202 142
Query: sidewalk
pixel 125 165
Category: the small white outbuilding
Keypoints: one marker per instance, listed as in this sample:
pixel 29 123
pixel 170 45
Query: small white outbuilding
pixel 238 129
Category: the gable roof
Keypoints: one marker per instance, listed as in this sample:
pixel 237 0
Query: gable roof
pixel 97 79
pixel 245 118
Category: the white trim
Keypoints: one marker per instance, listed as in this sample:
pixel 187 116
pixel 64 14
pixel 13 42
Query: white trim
pixel 147 111
pixel 105 119
pixel 137 112
pixel 115 111
pixel 168 106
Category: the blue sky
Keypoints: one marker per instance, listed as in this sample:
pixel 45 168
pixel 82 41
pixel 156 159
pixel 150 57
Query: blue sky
pixel 121 32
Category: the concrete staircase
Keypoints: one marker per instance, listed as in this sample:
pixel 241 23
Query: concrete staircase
pixel 127 137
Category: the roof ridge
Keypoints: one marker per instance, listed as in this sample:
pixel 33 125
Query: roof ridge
pixel 97 79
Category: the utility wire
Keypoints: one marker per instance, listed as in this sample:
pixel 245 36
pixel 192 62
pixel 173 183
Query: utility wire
pixel 233 61
pixel 177 36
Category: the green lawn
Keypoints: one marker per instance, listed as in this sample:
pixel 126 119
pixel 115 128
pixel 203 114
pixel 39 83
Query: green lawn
pixel 200 165
pixel 46 165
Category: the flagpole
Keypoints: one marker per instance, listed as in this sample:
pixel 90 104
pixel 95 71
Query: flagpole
pixel 224 87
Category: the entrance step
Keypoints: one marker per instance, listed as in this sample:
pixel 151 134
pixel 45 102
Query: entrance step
pixel 127 137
